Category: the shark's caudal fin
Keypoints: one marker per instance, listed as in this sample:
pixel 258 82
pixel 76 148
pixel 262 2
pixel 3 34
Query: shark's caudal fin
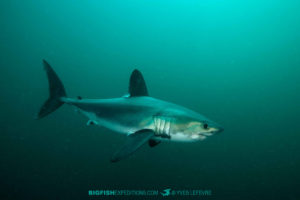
pixel 56 91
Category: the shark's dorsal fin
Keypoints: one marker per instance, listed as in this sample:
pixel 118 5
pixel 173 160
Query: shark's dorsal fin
pixel 137 85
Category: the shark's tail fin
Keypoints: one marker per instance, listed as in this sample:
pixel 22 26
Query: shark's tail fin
pixel 56 92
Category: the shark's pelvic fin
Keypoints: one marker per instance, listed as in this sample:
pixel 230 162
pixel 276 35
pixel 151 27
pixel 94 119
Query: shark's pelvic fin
pixel 133 143
pixel 137 85
pixel 56 92
pixel 91 122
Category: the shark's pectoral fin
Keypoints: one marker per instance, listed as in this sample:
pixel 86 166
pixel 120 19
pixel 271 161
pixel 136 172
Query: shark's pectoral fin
pixel 133 143
pixel 153 142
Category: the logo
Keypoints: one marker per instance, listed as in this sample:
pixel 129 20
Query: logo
pixel 166 192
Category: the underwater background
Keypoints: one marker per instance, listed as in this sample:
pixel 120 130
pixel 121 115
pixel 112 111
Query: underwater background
pixel 236 62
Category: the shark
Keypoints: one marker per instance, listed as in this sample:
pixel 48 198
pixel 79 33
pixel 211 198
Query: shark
pixel 142 118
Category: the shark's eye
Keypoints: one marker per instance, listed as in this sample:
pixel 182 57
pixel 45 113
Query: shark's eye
pixel 205 126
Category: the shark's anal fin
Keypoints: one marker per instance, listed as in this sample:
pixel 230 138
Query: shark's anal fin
pixel 133 143
pixel 153 142
pixel 137 85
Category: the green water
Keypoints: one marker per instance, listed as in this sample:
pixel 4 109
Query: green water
pixel 236 62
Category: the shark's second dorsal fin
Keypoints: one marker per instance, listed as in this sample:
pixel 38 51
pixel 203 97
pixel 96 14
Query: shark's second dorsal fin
pixel 137 85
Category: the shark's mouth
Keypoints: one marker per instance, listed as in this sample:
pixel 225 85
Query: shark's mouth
pixel 202 136
pixel 205 134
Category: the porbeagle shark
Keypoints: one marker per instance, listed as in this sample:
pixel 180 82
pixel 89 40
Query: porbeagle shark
pixel 142 118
